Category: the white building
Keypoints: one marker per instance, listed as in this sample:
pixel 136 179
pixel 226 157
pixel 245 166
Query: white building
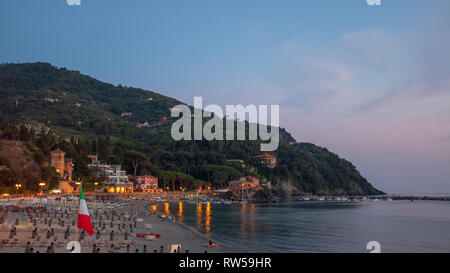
pixel 114 177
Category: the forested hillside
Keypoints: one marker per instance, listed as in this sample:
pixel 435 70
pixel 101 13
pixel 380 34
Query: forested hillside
pixel 77 106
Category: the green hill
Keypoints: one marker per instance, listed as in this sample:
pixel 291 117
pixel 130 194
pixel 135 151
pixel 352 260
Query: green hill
pixel 76 105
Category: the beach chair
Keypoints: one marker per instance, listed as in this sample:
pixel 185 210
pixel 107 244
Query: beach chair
pixel 60 244
pixel 175 248
pixel 15 242
pixel 5 242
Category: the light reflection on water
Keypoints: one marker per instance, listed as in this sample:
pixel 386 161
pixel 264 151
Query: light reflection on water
pixel 400 226
pixel 180 211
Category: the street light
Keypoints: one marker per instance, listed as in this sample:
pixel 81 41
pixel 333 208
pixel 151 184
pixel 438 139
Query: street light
pixel 96 184
pixel 41 184
pixel 78 185
pixel 17 187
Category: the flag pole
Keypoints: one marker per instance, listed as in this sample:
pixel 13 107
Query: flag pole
pixel 76 226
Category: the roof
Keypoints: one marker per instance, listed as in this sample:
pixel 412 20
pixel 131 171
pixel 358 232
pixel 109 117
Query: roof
pixel 240 182
pixel 57 151
pixel 266 156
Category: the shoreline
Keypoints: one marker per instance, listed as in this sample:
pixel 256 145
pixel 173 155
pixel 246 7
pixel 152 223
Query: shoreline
pixel 117 225
pixel 193 230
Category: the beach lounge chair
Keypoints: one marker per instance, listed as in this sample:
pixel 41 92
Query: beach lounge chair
pixel 5 242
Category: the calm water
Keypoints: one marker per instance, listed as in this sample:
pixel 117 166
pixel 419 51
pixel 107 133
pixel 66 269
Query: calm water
pixel 399 226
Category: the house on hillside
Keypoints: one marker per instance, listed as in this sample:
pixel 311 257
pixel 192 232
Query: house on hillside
pixel 266 159
pixel 63 165
pixel 239 162
pixel 143 125
pixel 245 187
pixel 126 114
pixel 114 177
pixel 147 183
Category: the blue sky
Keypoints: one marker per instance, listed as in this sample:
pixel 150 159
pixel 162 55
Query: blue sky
pixel 369 83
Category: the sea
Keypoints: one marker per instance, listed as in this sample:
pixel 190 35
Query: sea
pixel 322 226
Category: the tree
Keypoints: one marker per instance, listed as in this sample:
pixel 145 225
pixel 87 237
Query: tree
pixel 137 159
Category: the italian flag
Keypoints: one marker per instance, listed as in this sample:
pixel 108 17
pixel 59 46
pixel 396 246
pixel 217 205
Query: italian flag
pixel 84 221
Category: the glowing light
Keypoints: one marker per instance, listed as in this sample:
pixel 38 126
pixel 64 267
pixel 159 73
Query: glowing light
pixel 180 210
pixel 166 208
pixel 199 215
pixel 208 217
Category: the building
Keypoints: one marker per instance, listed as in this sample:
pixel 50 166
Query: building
pixel 245 187
pixel 112 176
pixel 93 158
pixel 51 100
pixel 126 114
pixel 143 125
pixel 147 183
pixel 266 159
pixel 63 165
pixel 239 162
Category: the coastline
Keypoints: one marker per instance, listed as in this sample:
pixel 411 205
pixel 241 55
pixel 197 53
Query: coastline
pixel 132 217
pixel 222 248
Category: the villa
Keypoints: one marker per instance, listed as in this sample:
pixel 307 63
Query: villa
pixel 245 187
pixel 147 183
pixel 112 175
pixel 266 159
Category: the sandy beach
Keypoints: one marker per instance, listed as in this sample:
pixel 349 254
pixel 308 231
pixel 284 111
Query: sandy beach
pixel 116 225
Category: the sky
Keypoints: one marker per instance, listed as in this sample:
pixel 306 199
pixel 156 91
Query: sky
pixel 370 83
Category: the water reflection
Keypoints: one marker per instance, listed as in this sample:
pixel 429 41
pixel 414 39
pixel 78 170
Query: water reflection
pixel 199 215
pixel 252 220
pixel 243 220
pixel 166 208
pixel 323 226
pixel 208 217
pixel 180 211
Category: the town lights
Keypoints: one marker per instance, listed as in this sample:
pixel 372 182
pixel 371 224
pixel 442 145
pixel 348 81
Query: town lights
pixel 42 185
pixel 17 187
pixel 78 185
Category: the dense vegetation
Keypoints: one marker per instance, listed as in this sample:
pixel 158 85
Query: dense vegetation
pixel 78 106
